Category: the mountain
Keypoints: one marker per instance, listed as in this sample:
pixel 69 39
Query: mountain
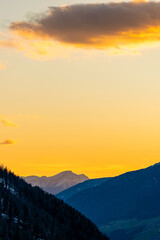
pixel 68 193
pixel 57 183
pixel 133 229
pixel 131 197
pixel 29 213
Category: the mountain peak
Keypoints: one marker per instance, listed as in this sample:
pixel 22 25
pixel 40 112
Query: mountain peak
pixel 70 173
pixel 58 182
pixel 67 172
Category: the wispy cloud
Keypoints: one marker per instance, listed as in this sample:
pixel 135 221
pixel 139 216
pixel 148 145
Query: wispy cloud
pixel 39 49
pixel 7 142
pixel 7 123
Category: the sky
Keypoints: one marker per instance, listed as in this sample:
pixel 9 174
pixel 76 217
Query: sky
pixel 79 86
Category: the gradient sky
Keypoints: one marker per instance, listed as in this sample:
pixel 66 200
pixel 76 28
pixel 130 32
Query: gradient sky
pixel 92 111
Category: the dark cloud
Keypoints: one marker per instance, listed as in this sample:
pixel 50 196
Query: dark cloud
pixel 96 25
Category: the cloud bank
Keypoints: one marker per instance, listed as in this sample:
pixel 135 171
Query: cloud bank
pixel 7 142
pixel 100 26
pixel 115 28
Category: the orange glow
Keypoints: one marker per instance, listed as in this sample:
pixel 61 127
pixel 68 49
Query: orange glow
pixel 89 112
pixel 2 66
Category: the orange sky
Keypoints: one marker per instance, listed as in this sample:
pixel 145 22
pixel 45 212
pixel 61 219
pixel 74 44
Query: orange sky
pixel 79 104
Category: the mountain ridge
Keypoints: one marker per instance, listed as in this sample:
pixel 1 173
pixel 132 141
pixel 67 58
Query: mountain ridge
pixel 90 183
pixel 131 197
pixel 144 179
pixel 56 183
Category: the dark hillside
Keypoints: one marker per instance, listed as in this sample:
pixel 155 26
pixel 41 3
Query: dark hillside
pixel 70 192
pixel 28 212
pixel 133 195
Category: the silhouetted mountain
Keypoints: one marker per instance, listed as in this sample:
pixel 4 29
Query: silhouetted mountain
pixel 57 183
pixel 68 193
pixel 29 213
pixel 133 195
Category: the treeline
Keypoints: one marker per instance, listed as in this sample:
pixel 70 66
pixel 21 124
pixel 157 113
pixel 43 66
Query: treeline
pixel 29 213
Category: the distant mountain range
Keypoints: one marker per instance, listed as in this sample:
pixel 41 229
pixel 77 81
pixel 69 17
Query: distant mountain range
pixel 57 183
pixel 126 206
pixel 29 213
pixel 68 193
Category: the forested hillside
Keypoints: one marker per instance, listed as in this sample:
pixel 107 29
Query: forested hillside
pixel 134 194
pixel 125 207
pixel 90 183
pixel 29 213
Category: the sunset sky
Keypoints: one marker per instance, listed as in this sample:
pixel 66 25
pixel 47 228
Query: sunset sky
pixel 79 86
